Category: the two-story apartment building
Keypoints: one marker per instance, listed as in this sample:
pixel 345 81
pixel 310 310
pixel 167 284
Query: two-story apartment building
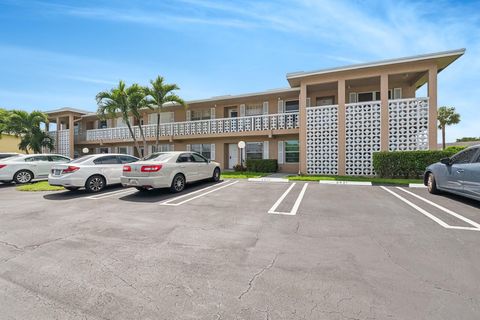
pixel 326 122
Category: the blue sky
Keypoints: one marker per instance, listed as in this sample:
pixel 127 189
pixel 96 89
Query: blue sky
pixel 61 53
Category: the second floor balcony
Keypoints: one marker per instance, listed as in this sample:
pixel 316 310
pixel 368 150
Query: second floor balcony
pixel 224 126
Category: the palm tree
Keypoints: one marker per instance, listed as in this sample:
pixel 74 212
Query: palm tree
pixel 136 102
pixel 116 101
pixel 446 117
pixel 158 95
pixel 36 140
pixel 27 126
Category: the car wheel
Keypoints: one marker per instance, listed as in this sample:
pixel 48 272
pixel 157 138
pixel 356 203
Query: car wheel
pixel 216 175
pixel 178 183
pixel 432 184
pixel 71 188
pixel 142 189
pixel 23 176
pixel 95 184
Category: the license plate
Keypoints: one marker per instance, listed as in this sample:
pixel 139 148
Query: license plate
pixel 57 172
pixel 133 181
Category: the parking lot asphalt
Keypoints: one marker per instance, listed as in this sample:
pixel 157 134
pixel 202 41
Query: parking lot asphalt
pixel 239 250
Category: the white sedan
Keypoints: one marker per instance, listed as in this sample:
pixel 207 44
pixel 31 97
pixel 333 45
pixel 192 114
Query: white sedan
pixel 169 170
pixel 25 168
pixel 94 172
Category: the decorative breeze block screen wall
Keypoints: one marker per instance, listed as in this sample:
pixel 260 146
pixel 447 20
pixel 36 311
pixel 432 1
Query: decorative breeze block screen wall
pixel 322 140
pixel 362 126
pixel 63 144
pixel 408 124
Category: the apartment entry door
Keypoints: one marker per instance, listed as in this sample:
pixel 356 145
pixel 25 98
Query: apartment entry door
pixel 232 155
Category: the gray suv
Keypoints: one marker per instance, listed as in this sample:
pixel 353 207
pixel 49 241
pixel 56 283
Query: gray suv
pixel 459 174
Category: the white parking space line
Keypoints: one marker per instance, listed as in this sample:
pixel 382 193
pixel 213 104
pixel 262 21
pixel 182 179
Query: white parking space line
pixel 450 212
pixel 428 214
pixel 295 205
pixel 167 203
pixel 194 192
pixel 111 194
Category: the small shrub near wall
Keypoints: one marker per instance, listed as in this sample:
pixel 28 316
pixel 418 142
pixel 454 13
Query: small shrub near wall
pixel 408 164
pixel 239 168
pixel 265 165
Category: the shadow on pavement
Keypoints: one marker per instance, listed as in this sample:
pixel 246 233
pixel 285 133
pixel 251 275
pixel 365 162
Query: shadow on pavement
pixel 158 195
pixel 82 193
pixel 464 200
pixel 7 185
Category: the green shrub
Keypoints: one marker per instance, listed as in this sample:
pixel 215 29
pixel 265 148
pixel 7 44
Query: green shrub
pixel 265 165
pixel 407 164
pixel 454 149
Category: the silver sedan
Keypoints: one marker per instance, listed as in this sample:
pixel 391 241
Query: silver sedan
pixel 169 170
pixel 459 174
pixel 25 168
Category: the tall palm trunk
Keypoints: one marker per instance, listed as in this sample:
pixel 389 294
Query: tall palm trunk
pixel 143 138
pixel 157 136
pixel 135 142
pixel 443 137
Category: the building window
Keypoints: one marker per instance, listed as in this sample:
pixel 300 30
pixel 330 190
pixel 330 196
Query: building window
pixel 202 114
pixel 122 150
pixel 165 117
pixel 102 124
pixel 254 150
pixel 324 101
pixel 292 153
pixel 254 109
pixel 102 150
pixel 203 149
pixel 161 148
pixel 291 106
pixel 371 96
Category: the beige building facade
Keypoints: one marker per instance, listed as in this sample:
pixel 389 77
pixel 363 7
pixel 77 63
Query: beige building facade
pixel 326 122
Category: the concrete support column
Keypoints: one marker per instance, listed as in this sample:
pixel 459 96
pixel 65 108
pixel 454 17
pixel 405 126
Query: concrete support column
pixel 341 128
pixel 57 134
pixel 71 133
pixel 384 139
pixel 432 107
pixel 303 128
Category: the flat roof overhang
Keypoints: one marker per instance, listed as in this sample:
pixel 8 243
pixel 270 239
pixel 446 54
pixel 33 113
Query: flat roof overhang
pixel 442 60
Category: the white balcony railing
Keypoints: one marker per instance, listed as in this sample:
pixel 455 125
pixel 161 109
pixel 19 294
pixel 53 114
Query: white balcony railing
pixel 213 126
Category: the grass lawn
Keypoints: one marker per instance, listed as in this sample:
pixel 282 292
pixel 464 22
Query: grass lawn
pixel 39 186
pixel 351 178
pixel 243 175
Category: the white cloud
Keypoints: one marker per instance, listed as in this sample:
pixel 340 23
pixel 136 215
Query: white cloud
pixel 88 80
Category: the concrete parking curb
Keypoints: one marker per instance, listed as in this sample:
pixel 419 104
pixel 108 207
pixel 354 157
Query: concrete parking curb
pixel 268 180
pixel 354 183
pixel 417 185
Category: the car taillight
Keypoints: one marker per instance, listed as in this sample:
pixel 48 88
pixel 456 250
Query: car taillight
pixel 153 168
pixel 127 168
pixel 70 169
pixel 2 166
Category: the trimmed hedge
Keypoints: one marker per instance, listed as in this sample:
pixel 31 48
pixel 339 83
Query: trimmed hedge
pixel 407 164
pixel 265 165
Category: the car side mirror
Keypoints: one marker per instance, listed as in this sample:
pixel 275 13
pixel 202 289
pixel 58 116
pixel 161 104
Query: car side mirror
pixel 446 161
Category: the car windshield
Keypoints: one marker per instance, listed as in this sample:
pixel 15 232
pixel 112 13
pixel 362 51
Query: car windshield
pixel 82 159
pixel 158 156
